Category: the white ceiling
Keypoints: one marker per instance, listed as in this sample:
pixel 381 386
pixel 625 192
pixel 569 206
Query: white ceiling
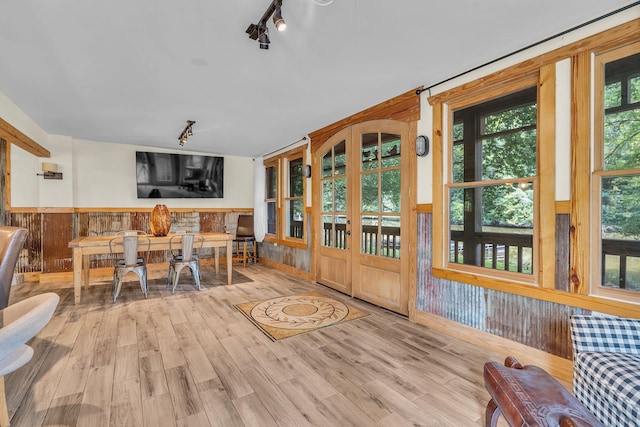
pixel 133 71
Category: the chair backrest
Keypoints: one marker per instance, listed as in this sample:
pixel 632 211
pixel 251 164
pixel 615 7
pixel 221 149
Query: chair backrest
pixel 190 243
pixel 11 241
pixel 245 225
pixel 128 245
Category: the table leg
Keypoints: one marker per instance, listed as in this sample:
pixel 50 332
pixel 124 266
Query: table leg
pixel 85 271
pixel 217 259
pixel 229 261
pixel 77 274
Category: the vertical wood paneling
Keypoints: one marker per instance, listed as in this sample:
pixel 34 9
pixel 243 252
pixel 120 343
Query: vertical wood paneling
pixel 563 224
pixel 212 222
pixel 540 324
pixel 30 260
pixel 62 228
pixel 57 231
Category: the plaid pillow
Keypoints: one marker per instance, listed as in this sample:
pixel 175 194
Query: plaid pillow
pixel 605 334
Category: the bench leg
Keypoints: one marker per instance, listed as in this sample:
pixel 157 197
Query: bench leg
pixel 491 414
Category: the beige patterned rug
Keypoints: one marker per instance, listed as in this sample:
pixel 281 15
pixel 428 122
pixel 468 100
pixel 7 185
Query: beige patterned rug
pixel 284 317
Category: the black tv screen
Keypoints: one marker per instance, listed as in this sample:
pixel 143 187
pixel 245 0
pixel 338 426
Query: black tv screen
pixel 167 175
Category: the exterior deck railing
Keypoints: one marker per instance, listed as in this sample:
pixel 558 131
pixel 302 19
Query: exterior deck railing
pixel 496 250
pixel 623 250
pixel 389 239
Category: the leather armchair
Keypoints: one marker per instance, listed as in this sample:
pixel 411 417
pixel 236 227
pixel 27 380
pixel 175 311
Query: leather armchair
pixel 11 242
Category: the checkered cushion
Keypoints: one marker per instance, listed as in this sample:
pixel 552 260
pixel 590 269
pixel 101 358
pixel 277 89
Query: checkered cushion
pixel 605 334
pixel 606 370
pixel 608 384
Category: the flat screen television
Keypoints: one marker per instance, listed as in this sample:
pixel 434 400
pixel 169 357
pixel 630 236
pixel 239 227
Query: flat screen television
pixel 167 175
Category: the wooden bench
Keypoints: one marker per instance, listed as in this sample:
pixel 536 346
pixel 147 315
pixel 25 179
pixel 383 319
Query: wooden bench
pixel 529 396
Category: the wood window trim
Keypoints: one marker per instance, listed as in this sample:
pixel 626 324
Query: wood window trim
pixel 280 161
pixel 404 108
pixel 600 59
pixel 544 214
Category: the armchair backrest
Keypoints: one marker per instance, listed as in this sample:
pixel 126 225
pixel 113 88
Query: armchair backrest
pixel 11 242
pixel 605 334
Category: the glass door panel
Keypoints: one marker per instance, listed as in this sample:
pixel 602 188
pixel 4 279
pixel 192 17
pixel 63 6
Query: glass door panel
pixel 334 196
pixel 380 188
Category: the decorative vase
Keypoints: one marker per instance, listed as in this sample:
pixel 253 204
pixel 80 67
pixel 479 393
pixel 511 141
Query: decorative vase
pixel 160 220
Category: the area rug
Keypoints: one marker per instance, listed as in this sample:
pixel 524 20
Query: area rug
pixel 285 317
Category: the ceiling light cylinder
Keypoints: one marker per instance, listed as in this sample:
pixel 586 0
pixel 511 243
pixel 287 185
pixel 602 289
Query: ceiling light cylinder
pixel 278 20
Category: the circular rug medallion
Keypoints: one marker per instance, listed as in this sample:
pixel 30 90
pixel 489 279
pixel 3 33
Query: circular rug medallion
pixel 299 312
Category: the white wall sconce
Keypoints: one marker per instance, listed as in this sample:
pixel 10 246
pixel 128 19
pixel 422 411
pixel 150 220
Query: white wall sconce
pixel 50 171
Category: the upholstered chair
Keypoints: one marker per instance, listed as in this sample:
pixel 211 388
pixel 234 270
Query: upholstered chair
pixel 19 323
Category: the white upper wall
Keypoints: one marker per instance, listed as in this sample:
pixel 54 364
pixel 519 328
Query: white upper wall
pixel 101 174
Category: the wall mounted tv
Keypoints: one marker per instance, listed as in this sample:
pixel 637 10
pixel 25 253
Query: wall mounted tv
pixel 166 175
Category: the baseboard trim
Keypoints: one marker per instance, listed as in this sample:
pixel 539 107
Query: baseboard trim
pixel 287 269
pixel 557 366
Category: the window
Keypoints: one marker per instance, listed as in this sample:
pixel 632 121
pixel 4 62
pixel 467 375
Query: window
pixel 491 196
pixel 285 197
pixel 271 180
pixel 294 203
pixel 616 175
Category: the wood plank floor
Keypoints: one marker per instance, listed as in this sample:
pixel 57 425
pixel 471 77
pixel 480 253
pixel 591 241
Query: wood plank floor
pixel 192 359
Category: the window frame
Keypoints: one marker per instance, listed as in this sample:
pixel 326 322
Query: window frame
pixel 543 273
pixel 282 162
pixel 598 173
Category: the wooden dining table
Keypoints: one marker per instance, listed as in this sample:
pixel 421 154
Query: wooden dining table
pixel 85 246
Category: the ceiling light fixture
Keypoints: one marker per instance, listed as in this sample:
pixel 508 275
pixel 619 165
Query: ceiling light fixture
pixel 260 31
pixel 186 133
pixel 263 39
pixel 278 20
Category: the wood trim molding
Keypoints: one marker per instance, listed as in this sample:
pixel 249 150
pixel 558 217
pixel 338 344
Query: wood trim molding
pixel 423 208
pixel 607 39
pixel 587 302
pixel 546 173
pixel 19 139
pixel 287 269
pixel 563 207
pixel 557 366
pixel 581 167
pixel 405 108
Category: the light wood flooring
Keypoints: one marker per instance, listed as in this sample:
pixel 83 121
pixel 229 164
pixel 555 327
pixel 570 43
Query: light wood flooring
pixel 191 359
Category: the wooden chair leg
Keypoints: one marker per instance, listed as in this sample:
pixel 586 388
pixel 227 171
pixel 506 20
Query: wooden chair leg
pixel 492 414
pixel 4 411
pixel 244 253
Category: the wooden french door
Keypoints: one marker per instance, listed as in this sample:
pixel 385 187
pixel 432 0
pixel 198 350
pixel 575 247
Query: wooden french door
pixel 360 224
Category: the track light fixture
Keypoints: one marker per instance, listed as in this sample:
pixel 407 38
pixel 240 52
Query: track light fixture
pixel 263 38
pixel 260 31
pixel 186 133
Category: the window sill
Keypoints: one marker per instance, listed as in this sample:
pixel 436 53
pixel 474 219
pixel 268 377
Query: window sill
pixel 587 302
pixel 290 243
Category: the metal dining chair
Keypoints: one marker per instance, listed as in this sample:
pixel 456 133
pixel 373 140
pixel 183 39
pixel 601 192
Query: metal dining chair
pixel 130 261
pixel 184 250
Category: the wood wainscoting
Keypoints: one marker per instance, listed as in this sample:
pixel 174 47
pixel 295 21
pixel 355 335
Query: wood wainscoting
pixel 46 250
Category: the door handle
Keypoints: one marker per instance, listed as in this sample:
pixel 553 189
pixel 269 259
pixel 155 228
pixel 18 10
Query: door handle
pixel 348 232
